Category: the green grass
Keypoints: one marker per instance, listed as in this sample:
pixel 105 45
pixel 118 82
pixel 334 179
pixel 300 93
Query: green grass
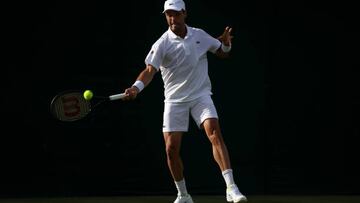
pixel 197 199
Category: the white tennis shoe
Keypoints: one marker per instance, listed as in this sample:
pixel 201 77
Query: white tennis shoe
pixel 184 199
pixel 234 195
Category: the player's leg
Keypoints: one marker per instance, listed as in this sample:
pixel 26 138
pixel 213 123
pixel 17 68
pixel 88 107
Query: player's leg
pixel 175 164
pixel 221 155
pixel 172 148
pixel 176 119
pixel 205 115
pixel 220 152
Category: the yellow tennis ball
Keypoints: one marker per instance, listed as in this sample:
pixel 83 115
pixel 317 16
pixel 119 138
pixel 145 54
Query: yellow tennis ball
pixel 88 94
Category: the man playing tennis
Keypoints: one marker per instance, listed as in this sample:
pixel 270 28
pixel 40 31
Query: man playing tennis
pixel 180 55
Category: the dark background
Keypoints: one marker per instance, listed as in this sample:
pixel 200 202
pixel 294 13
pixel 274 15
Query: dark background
pixel 288 99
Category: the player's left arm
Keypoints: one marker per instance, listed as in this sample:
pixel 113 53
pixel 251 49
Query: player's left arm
pixel 225 39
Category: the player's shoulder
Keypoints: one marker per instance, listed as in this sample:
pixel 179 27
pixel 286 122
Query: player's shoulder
pixel 162 41
pixel 164 36
pixel 195 29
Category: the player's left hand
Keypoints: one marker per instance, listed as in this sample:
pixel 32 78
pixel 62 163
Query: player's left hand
pixel 226 36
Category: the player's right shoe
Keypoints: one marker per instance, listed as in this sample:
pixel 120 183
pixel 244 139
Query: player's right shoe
pixel 184 199
pixel 234 195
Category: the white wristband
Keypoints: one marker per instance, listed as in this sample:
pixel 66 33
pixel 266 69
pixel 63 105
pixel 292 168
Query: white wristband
pixel 139 84
pixel 225 48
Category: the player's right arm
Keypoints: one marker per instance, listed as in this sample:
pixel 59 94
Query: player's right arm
pixel 145 77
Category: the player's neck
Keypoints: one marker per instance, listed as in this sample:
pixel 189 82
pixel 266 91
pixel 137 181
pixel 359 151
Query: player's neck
pixel 181 32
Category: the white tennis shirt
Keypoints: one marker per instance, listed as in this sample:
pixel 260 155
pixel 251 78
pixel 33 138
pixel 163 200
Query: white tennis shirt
pixel 183 63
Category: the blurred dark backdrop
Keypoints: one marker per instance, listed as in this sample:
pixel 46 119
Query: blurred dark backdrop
pixel 288 98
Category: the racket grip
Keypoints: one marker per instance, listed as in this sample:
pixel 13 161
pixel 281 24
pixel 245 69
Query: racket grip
pixel 117 96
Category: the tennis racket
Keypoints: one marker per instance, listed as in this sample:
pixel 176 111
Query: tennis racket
pixel 71 106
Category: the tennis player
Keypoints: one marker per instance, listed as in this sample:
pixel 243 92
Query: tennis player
pixel 180 54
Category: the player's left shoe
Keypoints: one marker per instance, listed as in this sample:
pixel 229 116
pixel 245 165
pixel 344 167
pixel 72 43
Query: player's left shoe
pixel 233 194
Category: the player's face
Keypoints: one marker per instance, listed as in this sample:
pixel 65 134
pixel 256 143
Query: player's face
pixel 176 21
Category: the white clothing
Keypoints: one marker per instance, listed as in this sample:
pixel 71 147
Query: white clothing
pixel 176 115
pixel 183 63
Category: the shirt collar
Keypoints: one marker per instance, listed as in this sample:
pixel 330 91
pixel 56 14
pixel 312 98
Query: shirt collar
pixel 172 35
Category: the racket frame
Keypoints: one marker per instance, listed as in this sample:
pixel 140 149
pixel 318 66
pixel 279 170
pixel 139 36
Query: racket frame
pixel 70 105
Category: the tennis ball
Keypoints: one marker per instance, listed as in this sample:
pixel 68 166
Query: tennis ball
pixel 88 94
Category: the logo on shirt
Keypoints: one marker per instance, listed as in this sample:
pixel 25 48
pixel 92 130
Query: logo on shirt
pixel 197 42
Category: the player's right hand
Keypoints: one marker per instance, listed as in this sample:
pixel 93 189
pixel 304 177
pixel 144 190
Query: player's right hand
pixel 131 93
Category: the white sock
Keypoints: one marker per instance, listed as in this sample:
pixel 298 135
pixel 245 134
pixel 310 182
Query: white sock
pixel 181 187
pixel 228 176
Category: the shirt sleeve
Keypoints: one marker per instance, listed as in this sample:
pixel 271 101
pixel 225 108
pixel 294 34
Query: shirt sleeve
pixel 214 44
pixel 155 55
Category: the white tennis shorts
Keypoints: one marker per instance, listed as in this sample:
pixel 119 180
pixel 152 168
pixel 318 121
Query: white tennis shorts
pixel 176 115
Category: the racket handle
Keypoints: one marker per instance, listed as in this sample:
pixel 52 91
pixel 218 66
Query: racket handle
pixel 117 96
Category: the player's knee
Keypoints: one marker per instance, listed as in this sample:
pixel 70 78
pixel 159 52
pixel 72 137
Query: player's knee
pixel 215 137
pixel 172 151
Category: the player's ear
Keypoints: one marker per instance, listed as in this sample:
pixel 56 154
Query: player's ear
pixel 184 13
